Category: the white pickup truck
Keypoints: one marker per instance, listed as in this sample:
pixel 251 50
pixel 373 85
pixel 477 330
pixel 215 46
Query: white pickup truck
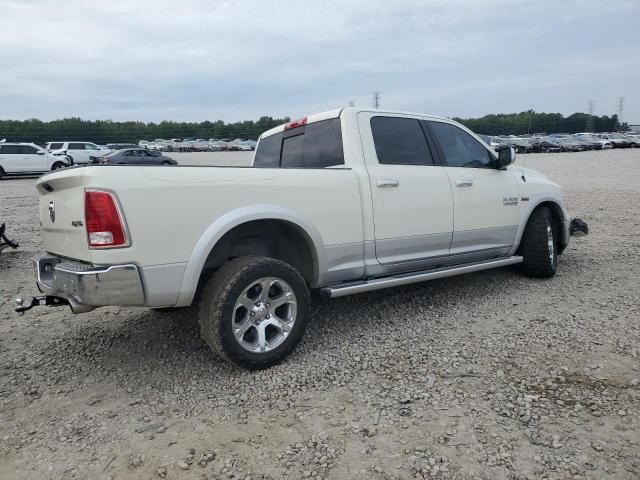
pixel 345 201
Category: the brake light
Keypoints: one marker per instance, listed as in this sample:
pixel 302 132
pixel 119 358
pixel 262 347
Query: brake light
pixel 296 123
pixel 104 223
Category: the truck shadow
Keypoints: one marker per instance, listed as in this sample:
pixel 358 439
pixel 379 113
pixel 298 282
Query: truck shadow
pixel 161 348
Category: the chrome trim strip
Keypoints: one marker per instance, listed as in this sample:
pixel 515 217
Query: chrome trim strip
pixel 399 280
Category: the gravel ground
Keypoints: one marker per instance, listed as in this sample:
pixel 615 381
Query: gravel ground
pixel 489 376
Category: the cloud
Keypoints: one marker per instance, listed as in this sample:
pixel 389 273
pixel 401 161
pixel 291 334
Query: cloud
pixel 197 60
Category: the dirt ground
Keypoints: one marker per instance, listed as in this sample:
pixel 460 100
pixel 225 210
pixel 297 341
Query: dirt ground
pixel 488 376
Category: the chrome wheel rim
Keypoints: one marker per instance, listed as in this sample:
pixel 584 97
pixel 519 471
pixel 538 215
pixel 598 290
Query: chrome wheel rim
pixel 550 244
pixel 264 314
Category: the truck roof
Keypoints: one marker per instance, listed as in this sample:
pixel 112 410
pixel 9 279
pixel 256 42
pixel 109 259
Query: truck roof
pixel 335 113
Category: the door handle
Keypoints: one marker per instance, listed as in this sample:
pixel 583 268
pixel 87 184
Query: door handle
pixel 464 183
pixel 388 183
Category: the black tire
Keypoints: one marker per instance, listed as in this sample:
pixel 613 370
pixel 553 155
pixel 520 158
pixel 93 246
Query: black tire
pixel 216 314
pixel 1 172
pixel 166 163
pixel 538 246
pixel 57 165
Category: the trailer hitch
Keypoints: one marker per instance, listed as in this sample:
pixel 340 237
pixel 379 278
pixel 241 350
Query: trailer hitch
pixel 46 300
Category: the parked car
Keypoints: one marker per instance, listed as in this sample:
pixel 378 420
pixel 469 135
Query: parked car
pixel 544 145
pixel 569 144
pixel 121 146
pixel 603 144
pixel 79 152
pixel 397 198
pixel 28 159
pixel 617 141
pixel 632 139
pixel 135 156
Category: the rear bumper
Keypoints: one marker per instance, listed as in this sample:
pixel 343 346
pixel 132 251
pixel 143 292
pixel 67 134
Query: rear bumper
pixel 88 286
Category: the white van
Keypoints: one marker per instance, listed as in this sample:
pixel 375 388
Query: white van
pixel 80 152
pixel 28 158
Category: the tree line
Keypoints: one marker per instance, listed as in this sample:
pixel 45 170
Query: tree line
pixel 107 131
pixel 537 122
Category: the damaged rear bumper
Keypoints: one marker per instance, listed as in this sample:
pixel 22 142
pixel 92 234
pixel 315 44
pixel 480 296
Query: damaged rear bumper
pixel 85 286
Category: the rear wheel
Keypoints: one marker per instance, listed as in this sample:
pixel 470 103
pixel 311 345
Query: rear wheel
pixel 253 311
pixel 166 163
pixel 538 245
pixel 1 172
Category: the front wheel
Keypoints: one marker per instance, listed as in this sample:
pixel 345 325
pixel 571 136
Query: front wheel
pixel 57 166
pixel 253 311
pixel 538 245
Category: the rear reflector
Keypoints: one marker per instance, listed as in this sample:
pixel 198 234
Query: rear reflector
pixel 105 227
pixel 296 123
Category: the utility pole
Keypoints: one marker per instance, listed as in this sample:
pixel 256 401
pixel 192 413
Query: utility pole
pixel 590 127
pixel 620 109
pixel 376 99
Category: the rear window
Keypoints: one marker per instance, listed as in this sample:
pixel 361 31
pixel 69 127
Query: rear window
pixel 316 145
pixel 55 146
pixel 76 146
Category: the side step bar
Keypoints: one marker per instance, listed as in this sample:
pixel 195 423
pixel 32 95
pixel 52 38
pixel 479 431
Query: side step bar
pixel 342 290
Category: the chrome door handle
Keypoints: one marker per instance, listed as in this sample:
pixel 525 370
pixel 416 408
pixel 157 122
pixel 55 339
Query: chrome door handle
pixel 388 183
pixel 464 183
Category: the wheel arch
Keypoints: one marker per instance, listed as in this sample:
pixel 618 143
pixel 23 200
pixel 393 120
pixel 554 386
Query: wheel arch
pixel 559 215
pixel 245 220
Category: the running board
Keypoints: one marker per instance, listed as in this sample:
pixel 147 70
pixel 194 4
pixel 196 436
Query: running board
pixel 405 279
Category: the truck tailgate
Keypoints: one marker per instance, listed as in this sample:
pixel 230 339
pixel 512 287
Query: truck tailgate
pixel 61 207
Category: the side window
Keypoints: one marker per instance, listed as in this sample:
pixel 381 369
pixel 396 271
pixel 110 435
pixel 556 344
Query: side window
pixel 400 141
pixel 459 148
pixel 55 146
pixel 76 146
pixel 90 146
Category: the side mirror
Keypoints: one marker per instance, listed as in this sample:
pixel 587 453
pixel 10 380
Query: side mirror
pixel 506 156
pixel 40 152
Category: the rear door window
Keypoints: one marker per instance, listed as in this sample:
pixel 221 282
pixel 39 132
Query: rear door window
pixel 76 146
pixel 55 146
pixel 315 145
pixel 8 149
pixel 400 141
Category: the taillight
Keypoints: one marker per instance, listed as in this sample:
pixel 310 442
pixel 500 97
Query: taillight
pixel 104 223
pixel 296 124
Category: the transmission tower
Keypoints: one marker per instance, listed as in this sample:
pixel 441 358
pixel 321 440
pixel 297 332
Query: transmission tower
pixel 590 127
pixel 376 99
pixel 620 109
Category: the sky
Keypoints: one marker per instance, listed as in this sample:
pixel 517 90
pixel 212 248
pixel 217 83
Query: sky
pixel 196 60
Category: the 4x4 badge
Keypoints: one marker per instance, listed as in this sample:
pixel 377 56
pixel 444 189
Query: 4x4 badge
pixel 52 211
